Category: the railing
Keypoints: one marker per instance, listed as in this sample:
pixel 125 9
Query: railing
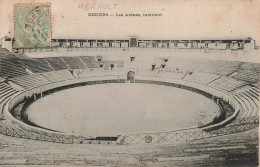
pixel 142 138
pixel 178 136
pixel 42 136
pixel 29 132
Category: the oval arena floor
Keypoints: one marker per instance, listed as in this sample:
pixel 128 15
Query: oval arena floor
pixel 122 108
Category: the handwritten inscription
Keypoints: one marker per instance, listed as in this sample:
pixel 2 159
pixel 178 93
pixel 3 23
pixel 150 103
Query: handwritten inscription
pixel 109 9
pixel 97 6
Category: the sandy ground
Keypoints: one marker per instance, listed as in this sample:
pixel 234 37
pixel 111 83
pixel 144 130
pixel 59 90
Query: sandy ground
pixel 115 109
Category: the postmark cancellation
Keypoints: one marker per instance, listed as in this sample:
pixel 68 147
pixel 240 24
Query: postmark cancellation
pixel 32 24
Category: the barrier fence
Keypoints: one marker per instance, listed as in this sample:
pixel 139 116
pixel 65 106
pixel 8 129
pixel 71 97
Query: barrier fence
pixel 177 136
pixel 42 136
pixel 142 138
pixel 161 137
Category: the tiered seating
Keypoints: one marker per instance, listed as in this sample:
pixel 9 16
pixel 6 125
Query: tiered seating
pixel 10 65
pixel 74 62
pixel 85 73
pixel 57 63
pixel 170 74
pixel 118 64
pixel 213 67
pixel 255 92
pixel 203 78
pixel 227 84
pixel 31 81
pixel 249 104
pixel 5 54
pixel 148 73
pixel 253 102
pixel 248 109
pixel 159 61
pixel 90 61
pixel 6 91
pixel 57 76
pixel 256 85
pixel 249 72
pixel 37 65
pixel 11 68
pixel 106 65
pixel 203 65
pixel 241 90
pixel 249 90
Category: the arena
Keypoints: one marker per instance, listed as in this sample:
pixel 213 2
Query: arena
pixel 118 114
pixel 131 105
pixel 129 83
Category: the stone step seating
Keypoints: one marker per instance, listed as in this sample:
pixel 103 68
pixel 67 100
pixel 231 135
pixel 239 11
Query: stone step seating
pixel 6 91
pixel 176 64
pixel 227 84
pixel 247 76
pixel 106 65
pixel 249 72
pixel 255 98
pixel 56 76
pixel 90 61
pixel 74 62
pixel 5 54
pixel 249 104
pixel 249 90
pixel 256 85
pixel 157 65
pixel 203 65
pixel 243 114
pixel 57 63
pixel 118 64
pixel 3 90
pixel 202 78
pixel 11 68
pixel 241 90
pixel 37 65
pixel 159 61
pixel 253 104
pixel 249 107
pixel 167 73
pixel 255 91
pixel 247 101
pixel 98 73
pixel 147 73
pixel 31 81
pixel 212 66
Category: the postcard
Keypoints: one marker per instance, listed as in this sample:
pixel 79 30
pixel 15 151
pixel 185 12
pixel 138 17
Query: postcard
pixel 129 82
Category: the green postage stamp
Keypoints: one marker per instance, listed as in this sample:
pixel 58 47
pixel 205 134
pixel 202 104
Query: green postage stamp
pixel 32 25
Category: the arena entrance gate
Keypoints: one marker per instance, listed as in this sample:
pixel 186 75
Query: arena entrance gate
pixel 131 77
pixel 133 42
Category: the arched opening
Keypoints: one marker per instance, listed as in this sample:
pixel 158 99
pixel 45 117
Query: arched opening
pixel 133 42
pixel 131 76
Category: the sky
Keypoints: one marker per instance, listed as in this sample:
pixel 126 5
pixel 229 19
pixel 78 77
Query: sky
pixel 181 19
